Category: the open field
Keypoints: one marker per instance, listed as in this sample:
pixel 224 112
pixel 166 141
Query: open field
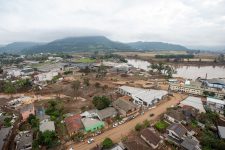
pixel 85 60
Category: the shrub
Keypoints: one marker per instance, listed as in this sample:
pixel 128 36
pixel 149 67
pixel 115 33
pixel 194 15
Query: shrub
pixel 107 143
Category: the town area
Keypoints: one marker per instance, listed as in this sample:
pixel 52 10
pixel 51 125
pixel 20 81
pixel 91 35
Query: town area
pixel 99 101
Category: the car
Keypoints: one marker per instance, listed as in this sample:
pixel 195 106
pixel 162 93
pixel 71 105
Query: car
pixel 91 140
pixel 151 115
pixel 115 125
pixel 121 122
pixel 98 132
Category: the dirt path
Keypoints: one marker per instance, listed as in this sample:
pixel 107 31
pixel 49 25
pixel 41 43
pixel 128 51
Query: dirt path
pixel 117 133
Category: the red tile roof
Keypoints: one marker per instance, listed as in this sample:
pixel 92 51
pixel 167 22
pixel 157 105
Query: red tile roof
pixel 73 123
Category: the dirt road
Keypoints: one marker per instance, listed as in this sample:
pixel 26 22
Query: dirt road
pixel 117 133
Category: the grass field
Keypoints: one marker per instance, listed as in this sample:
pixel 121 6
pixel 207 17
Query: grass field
pixel 86 60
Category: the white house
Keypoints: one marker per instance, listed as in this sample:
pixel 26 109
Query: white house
pixel 195 102
pixel 216 105
pixel 46 76
pixel 145 97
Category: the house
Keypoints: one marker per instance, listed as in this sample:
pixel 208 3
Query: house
pixel 177 131
pixel 195 102
pixel 26 111
pixel 125 108
pixel 221 131
pixel 24 140
pixel 103 114
pixel 143 96
pixel 117 147
pixel 47 125
pixel 92 125
pixel 73 124
pixel 135 145
pixel 190 143
pixel 4 132
pixel 150 137
pixel 48 76
pixel 216 105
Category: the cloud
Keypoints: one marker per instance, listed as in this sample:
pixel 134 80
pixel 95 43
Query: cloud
pixel 192 22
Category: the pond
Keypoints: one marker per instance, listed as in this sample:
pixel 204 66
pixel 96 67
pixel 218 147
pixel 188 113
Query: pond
pixel 189 72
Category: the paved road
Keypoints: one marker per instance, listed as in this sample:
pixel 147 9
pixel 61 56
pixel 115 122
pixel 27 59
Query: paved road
pixel 117 133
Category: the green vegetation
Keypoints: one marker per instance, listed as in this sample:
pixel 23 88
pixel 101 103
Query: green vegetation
pixel 54 110
pixel 68 72
pixel 161 125
pixel 7 122
pixel 138 127
pixel 48 139
pixel 86 60
pixel 107 143
pixel 33 121
pixel 210 94
pixel 114 57
pixel 101 102
pixel 162 68
pixel 101 72
pixel 86 81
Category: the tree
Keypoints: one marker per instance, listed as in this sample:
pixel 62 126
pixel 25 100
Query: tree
pixel 47 138
pixel 138 127
pixel 101 102
pixel 107 143
pixel 86 81
pixel 101 72
pixel 146 123
pixel 9 88
pixel 76 86
pixel 33 121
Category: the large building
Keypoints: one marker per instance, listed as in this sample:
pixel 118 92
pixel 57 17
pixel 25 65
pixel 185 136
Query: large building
pixel 196 88
pixel 216 105
pixel 145 97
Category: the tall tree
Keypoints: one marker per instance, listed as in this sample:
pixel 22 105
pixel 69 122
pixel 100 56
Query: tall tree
pixel 76 86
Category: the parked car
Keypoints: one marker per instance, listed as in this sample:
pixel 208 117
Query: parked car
pixel 115 125
pixel 121 122
pixel 91 140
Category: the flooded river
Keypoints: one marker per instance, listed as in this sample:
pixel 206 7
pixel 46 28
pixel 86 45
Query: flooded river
pixel 189 72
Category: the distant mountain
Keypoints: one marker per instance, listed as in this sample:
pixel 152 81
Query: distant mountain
pixel 17 47
pixel 71 44
pixel 155 46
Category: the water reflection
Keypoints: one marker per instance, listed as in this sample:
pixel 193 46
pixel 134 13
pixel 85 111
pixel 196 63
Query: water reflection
pixel 190 72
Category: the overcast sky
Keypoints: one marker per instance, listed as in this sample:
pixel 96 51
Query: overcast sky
pixel 188 22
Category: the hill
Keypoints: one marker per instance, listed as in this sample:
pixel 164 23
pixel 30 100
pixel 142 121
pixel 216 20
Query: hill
pixel 88 43
pixel 155 46
pixel 17 47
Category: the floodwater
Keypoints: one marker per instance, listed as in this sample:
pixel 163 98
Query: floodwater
pixel 188 72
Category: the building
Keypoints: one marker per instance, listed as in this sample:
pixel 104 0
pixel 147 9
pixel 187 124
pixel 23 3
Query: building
pixel 48 76
pixel 24 140
pixel 150 137
pixel 73 124
pixel 47 125
pixel 215 83
pixel 4 132
pixel 125 108
pixel 196 88
pixel 216 105
pixel 190 143
pixel 135 145
pixel 92 125
pixel 40 113
pixel 177 131
pixel 26 111
pixel 194 102
pixel 143 96
pixel 221 131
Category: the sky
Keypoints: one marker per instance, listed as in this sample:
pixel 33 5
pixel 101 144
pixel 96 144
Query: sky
pixel 192 23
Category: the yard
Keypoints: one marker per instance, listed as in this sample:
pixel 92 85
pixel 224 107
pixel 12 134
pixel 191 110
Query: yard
pixel 86 60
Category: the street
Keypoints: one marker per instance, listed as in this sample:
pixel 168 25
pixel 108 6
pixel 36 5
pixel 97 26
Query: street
pixel 122 130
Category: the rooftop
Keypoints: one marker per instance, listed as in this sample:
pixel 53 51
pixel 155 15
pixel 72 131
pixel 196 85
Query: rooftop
pixel 24 140
pixel 47 125
pixel 107 112
pixel 27 108
pixel 124 105
pixel 87 122
pixel 73 123
pixel 3 134
pixel 135 145
pixel 179 129
pixel 190 144
pixel 195 102
pixel 150 136
pixel 221 131
pixel 213 100
pixel 216 81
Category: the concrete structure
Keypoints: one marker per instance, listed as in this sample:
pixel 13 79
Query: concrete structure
pixel 215 83
pixel 177 131
pixel 47 125
pixel 20 101
pixel 190 143
pixel 92 125
pixel 195 102
pixel 26 111
pixel 196 88
pixel 48 76
pixel 125 108
pixel 73 124
pixel 221 131
pixel 40 113
pixel 24 140
pixel 143 96
pixel 216 105
pixel 4 132
pixel 150 137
